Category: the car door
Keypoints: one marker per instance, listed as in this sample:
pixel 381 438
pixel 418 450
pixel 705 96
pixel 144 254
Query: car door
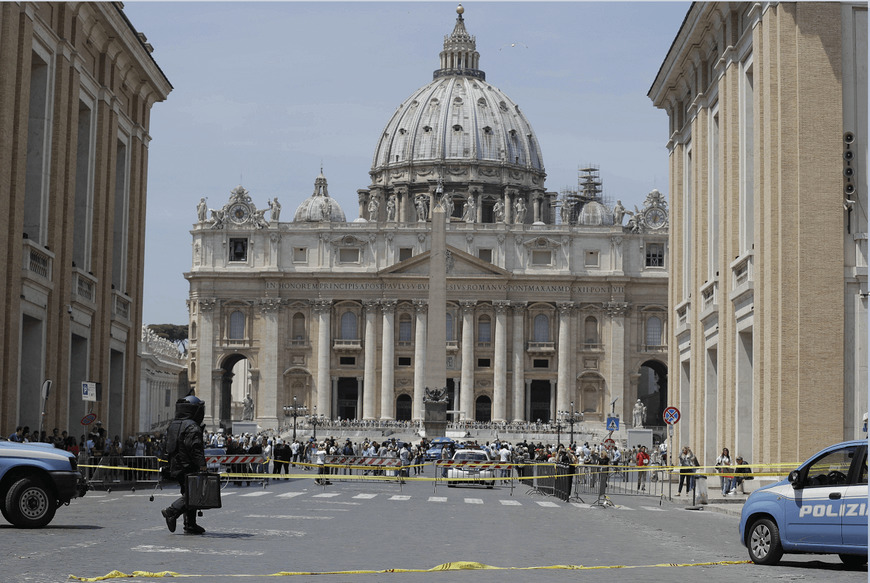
pixel 813 520
pixel 855 506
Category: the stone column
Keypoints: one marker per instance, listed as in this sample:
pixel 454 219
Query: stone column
pixel 360 387
pixel 564 391
pixel 527 396
pixel 333 400
pixel 371 361
pixel 466 403
pixel 323 309
pixel 388 364
pixel 554 388
pixel 266 403
pixel 419 359
pixel 616 354
pixel 519 358
pixel 499 387
pixel 205 362
pixel 616 254
pixel 536 208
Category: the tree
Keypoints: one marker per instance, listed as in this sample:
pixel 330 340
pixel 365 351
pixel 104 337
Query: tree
pixel 177 334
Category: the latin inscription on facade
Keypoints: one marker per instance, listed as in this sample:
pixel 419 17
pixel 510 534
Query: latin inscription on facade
pixel 455 287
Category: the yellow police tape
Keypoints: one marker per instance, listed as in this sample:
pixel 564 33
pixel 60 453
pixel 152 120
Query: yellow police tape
pixel 453 566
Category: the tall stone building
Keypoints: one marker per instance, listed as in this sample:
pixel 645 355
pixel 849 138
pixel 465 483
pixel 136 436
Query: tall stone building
pixel 768 246
pixel 551 302
pixel 77 83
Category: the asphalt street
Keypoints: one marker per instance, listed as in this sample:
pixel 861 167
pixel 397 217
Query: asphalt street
pixel 350 531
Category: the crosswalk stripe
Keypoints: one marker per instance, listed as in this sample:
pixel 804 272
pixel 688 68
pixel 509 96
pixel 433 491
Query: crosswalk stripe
pixel 579 505
pixel 365 496
pixel 510 503
pixel 398 497
pixel 653 508
pixel 254 494
pixel 437 498
pixel 327 495
pixel 547 504
pixel 290 494
pixel 473 501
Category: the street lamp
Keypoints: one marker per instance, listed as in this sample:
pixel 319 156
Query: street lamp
pixel 571 417
pixel 316 420
pixel 558 433
pixel 295 411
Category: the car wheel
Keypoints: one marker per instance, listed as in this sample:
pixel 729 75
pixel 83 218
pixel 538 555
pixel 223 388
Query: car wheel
pixel 854 560
pixel 490 485
pixel 765 547
pixel 29 503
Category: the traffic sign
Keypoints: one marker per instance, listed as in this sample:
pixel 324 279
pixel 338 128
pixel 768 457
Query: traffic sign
pixel 671 415
pixel 612 424
pixel 89 418
pixel 609 443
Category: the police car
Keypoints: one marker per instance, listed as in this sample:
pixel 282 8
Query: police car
pixel 821 508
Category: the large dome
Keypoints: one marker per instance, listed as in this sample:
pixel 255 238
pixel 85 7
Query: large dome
pixel 459 118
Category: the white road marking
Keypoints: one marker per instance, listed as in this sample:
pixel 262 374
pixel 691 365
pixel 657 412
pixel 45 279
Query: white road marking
pixel 397 497
pixel 653 508
pixel 473 501
pixel 510 503
pixel 289 517
pixel 326 495
pixel 254 494
pixel 437 498
pixel 365 496
pixel 290 494
pixel 547 504
pixel 579 505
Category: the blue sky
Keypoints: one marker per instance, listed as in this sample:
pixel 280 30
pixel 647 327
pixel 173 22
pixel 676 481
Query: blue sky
pixel 266 92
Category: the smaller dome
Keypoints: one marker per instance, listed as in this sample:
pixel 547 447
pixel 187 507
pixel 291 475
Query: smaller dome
pixel 319 207
pixel 594 214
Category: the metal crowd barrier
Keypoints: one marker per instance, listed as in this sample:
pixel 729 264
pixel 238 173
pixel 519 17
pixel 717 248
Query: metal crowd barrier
pixel 109 470
pixel 238 467
pixel 364 468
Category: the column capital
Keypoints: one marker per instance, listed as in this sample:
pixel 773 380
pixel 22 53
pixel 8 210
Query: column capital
pixel 519 307
pixel 322 306
pixel 467 305
pixel 389 306
pixel 270 305
pixel 207 304
pixel 617 309
pixel 565 308
pixel 370 305
pixel 501 306
pixel 421 306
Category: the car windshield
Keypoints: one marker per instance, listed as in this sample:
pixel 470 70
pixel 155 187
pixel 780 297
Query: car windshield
pixel 471 456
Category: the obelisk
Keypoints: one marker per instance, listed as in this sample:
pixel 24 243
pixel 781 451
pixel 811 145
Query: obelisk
pixel 435 413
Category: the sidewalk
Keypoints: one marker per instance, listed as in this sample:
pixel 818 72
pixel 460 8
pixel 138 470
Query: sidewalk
pixel 716 502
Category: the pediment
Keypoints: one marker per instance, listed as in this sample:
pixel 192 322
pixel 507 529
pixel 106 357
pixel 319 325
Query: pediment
pixel 459 264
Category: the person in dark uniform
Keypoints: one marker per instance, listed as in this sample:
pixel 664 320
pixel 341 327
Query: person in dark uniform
pixel 184 446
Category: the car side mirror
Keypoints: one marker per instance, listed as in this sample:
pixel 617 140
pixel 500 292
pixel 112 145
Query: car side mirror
pixel 794 479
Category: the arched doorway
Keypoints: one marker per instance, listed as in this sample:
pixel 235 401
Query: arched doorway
pixel 652 390
pixel 483 409
pixel 235 384
pixel 403 408
pixel 539 401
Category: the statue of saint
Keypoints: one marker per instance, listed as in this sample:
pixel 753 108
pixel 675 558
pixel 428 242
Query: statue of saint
pixel 520 207
pixel 618 213
pixel 201 210
pixel 391 208
pixel 248 412
pixel 639 414
pixel 422 205
pixel 374 206
pixel 275 208
pixel 498 211
pixel 469 210
pixel 447 203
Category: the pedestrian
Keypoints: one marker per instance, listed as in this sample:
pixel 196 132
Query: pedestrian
pixel 741 472
pixel 723 465
pixel 688 462
pixel 642 461
pixel 186 451
pixel 320 460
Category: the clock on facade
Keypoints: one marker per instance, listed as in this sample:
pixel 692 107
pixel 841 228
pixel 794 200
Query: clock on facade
pixel 239 213
pixel 655 218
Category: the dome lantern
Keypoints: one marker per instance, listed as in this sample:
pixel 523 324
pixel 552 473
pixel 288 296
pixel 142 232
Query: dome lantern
pixel 460 56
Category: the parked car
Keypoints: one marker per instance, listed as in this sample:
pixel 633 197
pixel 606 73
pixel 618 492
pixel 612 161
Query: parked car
pixel 35 480
pixel 473 473
pixel 821 508
pixel 435 446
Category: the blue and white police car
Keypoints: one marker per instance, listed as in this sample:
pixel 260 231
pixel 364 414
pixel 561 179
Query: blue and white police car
pixel 821 508
pixel 36 479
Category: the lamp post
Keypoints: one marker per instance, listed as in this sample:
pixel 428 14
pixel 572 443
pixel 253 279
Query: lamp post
pixel 571 417
pixel 558 433
pixel 295 411
pixel 316 420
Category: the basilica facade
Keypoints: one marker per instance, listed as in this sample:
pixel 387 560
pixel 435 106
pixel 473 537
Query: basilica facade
pixel 554 303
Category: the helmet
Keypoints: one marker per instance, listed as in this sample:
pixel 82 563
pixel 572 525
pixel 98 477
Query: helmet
pixel 190 407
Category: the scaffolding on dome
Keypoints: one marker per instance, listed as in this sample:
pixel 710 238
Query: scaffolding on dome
pixel 589 188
